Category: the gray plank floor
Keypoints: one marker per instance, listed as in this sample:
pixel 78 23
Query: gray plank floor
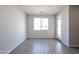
pixel 43 46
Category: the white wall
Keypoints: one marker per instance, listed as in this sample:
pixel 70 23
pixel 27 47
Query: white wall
pixel 74 26
pixel 65 25
pixel 44 34
pixel 12 28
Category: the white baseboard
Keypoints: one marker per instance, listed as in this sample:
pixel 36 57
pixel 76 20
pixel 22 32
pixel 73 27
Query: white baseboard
pixel 41 38
pixel 15 46
pixel 65 43
pixel 74 45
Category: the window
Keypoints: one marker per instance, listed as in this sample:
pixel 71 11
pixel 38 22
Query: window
pixel 59 26
pixel 40 23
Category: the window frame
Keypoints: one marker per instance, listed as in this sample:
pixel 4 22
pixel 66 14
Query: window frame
pixel 41 24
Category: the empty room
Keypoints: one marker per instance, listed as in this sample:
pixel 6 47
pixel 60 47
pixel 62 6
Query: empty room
pixel 39 29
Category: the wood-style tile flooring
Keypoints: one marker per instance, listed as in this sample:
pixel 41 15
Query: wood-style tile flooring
pixel 43 46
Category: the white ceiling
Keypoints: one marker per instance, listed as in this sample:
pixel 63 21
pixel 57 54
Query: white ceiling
pixel 47 9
